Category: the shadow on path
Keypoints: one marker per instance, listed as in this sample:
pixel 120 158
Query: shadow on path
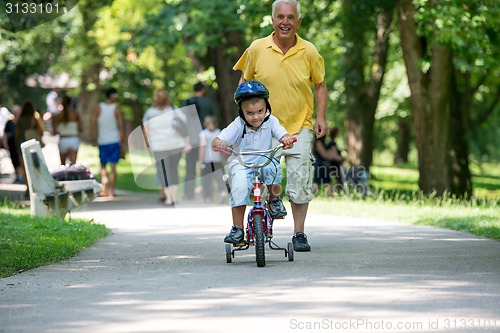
pixel 164 270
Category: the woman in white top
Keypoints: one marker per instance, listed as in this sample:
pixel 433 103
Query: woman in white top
pixel 166 143
pixel 68 126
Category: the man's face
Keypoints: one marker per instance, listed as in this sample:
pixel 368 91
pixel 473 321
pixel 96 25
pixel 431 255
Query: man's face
pixel 113 97
pixel 286 21
pixel 254 111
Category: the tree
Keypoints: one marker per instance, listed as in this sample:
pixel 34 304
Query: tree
pixel 475 87
pixel 363 91
pixel 428 65
pixel 90 59
pixel 450 53
pixel 29 52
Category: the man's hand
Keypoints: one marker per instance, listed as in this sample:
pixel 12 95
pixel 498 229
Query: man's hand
pixel 321 93
pixel 287 141
pixel 320 127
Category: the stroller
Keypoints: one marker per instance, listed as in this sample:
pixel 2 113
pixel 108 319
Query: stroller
pixel 355 180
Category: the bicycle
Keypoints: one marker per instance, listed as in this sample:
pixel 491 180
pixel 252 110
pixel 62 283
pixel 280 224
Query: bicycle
pixel 259 229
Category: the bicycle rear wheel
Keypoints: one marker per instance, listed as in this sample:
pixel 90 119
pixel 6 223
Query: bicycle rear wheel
pixel 260 254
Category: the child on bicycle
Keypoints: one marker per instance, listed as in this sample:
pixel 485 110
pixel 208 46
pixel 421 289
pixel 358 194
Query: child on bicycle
pixel 252 130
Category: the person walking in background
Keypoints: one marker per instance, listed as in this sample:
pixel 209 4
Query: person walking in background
pixel 204 107
pixel 106 132
pixel 29 126
pixel 328 160
pixel 9 143
pixel 52 100
pixel 68 126
pixel 166 143
pixel 336 158
pixel 288 65
pixel 210 161
pixel 5 115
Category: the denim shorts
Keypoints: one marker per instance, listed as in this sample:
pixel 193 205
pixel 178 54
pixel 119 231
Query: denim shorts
pixel 242 180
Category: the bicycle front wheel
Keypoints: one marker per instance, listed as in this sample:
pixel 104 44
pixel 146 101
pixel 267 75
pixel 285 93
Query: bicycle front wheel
pixel 260 255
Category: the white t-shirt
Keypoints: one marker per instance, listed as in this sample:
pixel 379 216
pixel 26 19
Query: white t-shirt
pixel 260 139
pixel 210 155
pixel 51 101
pixel 161 135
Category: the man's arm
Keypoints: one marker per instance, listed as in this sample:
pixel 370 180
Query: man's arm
pixel 93 125
pixel 119 119
pixel 321 93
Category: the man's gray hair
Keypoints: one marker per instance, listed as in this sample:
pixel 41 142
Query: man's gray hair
pixel 293 2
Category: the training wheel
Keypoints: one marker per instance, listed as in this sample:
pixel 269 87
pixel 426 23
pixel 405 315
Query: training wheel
pixel 290 251
pixel 229 254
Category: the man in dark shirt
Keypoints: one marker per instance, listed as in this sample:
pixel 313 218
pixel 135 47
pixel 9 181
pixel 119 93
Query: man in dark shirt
pixel 204 107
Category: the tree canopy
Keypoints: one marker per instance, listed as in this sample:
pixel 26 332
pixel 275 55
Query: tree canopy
pixel 381 66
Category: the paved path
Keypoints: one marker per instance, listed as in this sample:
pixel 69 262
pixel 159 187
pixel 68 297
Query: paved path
pixel 164 270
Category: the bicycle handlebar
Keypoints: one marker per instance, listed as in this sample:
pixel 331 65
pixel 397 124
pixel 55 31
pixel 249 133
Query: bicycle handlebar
pixel 229 150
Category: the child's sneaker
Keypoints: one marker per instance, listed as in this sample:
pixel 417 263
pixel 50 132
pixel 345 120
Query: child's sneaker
pixel 235 236
pixel 276 208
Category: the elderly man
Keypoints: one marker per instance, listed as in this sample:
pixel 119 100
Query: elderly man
pixel 288 65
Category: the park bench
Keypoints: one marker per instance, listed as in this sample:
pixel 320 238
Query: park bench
pixel 49 196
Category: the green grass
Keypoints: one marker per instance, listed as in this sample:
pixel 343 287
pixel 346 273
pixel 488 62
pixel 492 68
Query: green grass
pixel 397 198
pixel 391 182
pixel 28 241
pixel 126 180
pixel 478 219
pixel 400 181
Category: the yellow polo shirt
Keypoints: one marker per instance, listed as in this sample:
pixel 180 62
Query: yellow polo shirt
pixel 288 77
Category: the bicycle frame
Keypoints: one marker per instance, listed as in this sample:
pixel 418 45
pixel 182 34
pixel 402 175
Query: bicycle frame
pixel 259 206
pixel 259 220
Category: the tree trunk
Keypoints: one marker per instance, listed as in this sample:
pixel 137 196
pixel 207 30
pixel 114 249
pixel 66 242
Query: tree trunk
pixel 87 100
pixel 403 141
pixel 429 100
pixel 363 96
pixel 137 111
pixel 355 85
pixel 224 57
pixel 378 66
pixel 460 105
pixel 91 67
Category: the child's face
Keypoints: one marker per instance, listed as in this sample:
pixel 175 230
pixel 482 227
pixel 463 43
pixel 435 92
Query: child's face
pixel 254 112
pixel 210 124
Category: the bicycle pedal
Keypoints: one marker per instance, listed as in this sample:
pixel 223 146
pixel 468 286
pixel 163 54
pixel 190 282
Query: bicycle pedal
pixel 240 244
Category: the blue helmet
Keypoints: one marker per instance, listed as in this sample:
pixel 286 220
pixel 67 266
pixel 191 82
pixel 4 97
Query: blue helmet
pixel 250 89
